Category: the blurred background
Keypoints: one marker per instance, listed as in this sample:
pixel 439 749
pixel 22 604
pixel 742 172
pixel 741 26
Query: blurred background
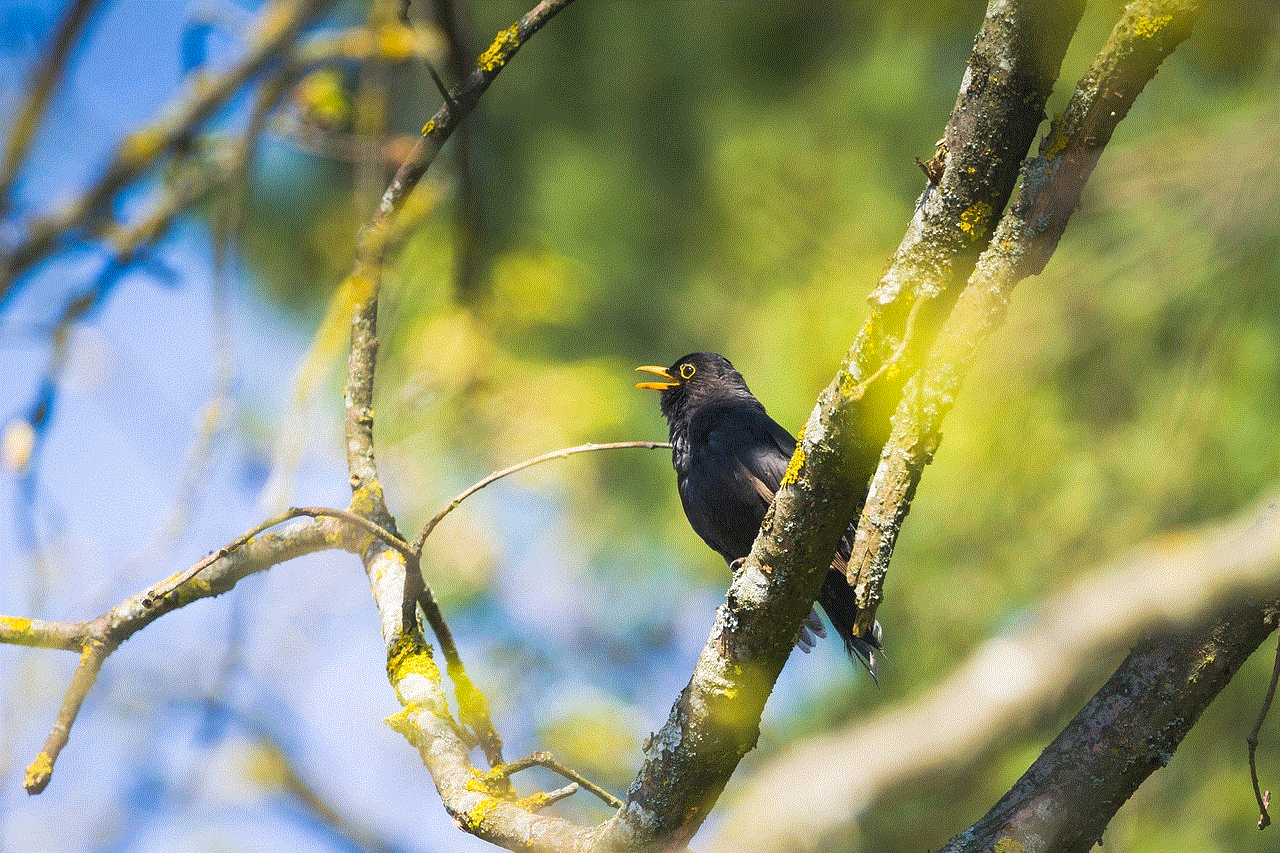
pixel 643 180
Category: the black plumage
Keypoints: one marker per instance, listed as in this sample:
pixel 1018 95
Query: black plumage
pixel 730 457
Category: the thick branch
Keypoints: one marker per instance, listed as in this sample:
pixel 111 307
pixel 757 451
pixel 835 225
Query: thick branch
pixel 1026 237
pixel 818 789
pixel 1010 74
pixel 1126 732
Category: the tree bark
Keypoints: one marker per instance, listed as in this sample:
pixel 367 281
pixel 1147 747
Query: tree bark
pixel 1127 731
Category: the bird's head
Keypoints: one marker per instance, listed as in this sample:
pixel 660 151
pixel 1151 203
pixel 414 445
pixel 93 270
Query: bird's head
pixel 697 379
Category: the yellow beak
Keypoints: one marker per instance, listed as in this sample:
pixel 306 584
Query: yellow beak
pixel 657 371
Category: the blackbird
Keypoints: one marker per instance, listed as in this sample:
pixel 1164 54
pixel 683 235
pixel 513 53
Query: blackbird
pixel 729 457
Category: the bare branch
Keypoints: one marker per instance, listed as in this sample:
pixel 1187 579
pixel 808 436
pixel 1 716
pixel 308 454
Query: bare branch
pixel 40 771
pixel 545 759
pixel 520 466
pixel 441 87
pixel 473 706
pixel 1264 800
pixel 96 639
pixel 821 787
pixel 1027 235
pixel 396 582
pixel 1000 104
pixel 1127 731
pixel 40 634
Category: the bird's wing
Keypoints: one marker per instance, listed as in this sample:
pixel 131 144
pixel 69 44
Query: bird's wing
pixel 767 455
pixel 734 468
pixel 758 447
pixel 765 460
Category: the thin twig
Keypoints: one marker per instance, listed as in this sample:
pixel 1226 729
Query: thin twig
pixel 441 87
pixel 537 802
pixel 378 531
pixel 1264 799
pixel 542 758
pixel 166 588
pixel 520 466
pixel 397 586
pixel 473 707
pixel 40 771
pixel 39 634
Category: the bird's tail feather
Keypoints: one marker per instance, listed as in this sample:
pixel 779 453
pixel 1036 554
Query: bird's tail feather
pixel 840 604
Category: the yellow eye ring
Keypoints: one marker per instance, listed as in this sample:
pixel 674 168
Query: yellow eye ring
pixel 687 371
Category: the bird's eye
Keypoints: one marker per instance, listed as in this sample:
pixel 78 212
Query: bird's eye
pixel 687 371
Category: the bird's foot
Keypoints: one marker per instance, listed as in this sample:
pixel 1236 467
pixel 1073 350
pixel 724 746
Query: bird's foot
pixel 737 564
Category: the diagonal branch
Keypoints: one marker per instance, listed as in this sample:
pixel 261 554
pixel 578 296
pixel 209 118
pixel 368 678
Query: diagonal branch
pixel 95 639
pixel 816 790
pixel 1027 235
pixel 1127 731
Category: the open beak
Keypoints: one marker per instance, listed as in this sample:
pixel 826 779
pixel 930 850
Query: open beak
pixel 657 371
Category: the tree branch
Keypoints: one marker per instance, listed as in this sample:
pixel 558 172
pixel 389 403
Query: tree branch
pixel 97 638
pixel 547 760
pixel 1264 799
pixel 38 92
pixel 397 585
pixel 1127 731
pixel 1028 233
pixel 220 571
pixel 815 791
pixel 520 466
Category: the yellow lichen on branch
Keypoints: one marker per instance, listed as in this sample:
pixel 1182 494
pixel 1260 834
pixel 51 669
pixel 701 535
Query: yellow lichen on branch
pixel 975 219
pixel 500 50
pixel 38 772
pixel 17 625
pixel 792 475
pixel 1151 26
pixel 410 655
